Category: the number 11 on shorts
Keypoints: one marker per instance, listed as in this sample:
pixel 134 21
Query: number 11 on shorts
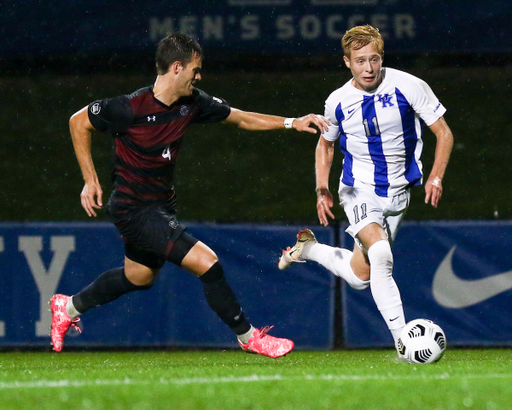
pixel 360 215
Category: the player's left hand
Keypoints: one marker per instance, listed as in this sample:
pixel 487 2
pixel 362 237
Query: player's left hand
pixel 91 197
pixel 324 203
pixel 304 123
pixel 433 190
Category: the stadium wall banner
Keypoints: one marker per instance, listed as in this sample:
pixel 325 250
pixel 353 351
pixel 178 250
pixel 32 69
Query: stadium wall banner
pixel 306 27
pixel 40 259
pixel 457 274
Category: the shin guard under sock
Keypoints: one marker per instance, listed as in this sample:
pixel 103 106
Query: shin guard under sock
pixel 384 289
pixel 222 300
pixel 107 287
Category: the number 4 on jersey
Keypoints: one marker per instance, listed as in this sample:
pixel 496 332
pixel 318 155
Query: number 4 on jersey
pixel 167 153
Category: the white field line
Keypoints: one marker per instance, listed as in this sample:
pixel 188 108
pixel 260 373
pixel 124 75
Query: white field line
pixel 245 379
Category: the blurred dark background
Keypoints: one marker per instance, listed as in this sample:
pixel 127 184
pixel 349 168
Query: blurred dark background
pixel 279 57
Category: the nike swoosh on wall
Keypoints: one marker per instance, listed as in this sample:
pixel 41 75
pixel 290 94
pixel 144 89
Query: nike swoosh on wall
pixel 453 292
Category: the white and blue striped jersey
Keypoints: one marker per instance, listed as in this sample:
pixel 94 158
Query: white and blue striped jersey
pixel 380 131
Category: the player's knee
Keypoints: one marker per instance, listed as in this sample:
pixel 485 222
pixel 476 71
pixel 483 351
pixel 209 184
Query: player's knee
pixel 380 256
pixel 143 277
pixel 199 260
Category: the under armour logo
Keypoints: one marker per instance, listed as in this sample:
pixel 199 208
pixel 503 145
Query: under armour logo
pixel 386 100
pixel 95 108
pixel 184 110
pixel 151 118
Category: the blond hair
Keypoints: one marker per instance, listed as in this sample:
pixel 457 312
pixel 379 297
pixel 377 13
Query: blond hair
pixel 359 37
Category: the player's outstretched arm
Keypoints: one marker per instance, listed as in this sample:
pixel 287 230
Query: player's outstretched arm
pixel 81 129
pixel 254 121
pixel 434 185
pixel 324 155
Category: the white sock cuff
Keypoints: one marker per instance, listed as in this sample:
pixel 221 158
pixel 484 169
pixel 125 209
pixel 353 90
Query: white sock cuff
pixel 244 338
pixel 306 250
pixel 71 310
pixel 356 283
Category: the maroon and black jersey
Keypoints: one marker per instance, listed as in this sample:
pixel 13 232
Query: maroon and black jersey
pixel 148 136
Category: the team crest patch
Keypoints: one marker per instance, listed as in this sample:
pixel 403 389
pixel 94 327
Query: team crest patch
pixel 95 108
pixel 184 110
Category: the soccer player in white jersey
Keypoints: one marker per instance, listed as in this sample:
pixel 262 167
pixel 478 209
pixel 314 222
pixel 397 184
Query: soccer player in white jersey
pixel 376 118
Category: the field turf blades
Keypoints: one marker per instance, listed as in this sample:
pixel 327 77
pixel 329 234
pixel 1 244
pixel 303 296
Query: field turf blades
pixel 215 379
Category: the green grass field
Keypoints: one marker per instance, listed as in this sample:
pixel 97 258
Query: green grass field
pixel 359 379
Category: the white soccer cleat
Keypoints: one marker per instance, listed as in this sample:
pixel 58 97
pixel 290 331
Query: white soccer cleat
pixel 294 254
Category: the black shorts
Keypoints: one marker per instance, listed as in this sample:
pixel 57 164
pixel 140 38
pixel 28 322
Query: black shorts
pixel 153 236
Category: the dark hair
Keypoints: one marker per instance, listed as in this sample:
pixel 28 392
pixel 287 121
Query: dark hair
pixel 176 47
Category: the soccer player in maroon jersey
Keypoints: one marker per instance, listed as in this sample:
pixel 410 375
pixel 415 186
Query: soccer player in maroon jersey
pixel 148 127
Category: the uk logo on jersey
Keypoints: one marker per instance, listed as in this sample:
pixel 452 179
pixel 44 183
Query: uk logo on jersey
pixel 386 100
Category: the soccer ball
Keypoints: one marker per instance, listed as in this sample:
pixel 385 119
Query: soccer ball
pixel 421 342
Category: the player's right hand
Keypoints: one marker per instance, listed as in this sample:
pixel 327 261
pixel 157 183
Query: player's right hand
pixel 324 203
pixel 91 198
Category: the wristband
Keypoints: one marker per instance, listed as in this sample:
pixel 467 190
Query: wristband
pixel 288 122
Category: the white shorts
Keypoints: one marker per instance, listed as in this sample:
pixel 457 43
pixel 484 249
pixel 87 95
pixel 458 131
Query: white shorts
pixel 363 207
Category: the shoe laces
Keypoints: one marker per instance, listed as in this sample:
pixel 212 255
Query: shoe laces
pixel 265 330
pixel 75 326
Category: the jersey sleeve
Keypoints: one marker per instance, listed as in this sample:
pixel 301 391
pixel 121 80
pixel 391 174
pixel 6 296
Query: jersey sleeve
pixel 425 102
pixel 111 114
pixel 333 130
pixel 211 109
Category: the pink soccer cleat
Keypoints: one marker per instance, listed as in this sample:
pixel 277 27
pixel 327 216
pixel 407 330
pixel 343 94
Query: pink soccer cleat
pixel 266 345
pixel 61 322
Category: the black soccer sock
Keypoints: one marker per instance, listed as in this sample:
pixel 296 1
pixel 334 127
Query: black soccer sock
pixel 222 300
pixel 107 287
